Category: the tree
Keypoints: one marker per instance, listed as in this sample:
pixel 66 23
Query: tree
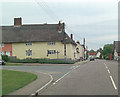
pixel 107 50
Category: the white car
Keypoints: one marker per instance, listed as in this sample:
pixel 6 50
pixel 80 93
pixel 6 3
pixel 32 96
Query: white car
pixel 2 62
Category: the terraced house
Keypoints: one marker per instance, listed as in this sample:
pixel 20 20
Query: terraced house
pixel 38 41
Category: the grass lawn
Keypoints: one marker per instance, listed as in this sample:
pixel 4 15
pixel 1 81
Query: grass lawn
pixel 11 64
pixel 13 80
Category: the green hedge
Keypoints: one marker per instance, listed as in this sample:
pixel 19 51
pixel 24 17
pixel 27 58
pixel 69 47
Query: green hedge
pixel 49 61
pixel 5 58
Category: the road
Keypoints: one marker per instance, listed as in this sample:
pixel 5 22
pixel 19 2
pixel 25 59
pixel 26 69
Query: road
pixel 97 77
pixel 56 71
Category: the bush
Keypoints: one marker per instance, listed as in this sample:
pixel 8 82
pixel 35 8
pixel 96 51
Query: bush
pixel 48 61
pixel 107 58
pixel 5 58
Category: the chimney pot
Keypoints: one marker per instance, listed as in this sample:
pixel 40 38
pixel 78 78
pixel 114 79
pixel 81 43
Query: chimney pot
pixel 71 36
pixel 17 21
pixel 59 27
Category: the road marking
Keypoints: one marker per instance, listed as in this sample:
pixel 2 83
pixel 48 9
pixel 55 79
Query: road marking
pixel 108 71
pixel 63 76
pixel 45 84
pixel 106 66
pixel 113 82
pixel 74 67
pixel 111 77
pixel 32 94
pixel 53 83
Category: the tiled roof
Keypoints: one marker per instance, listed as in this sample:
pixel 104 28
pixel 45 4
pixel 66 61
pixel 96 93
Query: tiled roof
pixel 92 53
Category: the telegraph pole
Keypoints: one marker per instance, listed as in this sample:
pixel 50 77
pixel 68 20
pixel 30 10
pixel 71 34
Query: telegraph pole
pixel 84 47
pixel 64 40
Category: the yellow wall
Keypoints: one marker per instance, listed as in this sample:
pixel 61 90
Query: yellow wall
pixel 39 50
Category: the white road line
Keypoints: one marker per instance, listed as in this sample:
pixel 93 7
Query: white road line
pixel 105 64
pixel 108 71
pixel 113 82
pixel 62 76
pixel 45 84
pixel 67 73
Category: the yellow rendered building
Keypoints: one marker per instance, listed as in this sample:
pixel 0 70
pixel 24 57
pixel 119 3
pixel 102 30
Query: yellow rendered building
pixel 55 50
pixel 39 40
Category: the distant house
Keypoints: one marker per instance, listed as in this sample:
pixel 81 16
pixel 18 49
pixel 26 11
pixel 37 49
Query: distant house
pixel 79 51
pixel 37 41
pixel 92 54
pixel 98 54
pixel 116 50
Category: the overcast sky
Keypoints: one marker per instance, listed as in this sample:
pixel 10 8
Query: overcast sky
pixel 95 20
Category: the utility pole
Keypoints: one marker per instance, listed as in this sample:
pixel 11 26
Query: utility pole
pixel 84 47
pixel 64 40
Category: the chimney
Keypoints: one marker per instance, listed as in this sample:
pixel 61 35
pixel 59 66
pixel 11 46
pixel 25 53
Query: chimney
pixel 59 27
pixel 71 36
pixel 17 21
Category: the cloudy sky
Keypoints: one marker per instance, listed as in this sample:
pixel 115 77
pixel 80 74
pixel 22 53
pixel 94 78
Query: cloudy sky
pixel 95 20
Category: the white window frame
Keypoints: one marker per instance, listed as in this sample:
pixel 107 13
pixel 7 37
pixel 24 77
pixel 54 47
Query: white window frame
pixel 51 52
pixel 27 53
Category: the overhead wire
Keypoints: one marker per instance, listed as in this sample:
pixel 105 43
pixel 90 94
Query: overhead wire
pixel 54 17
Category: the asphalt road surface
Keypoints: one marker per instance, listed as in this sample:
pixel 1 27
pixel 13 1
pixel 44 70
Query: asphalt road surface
pixel 56 71
pixel 97 77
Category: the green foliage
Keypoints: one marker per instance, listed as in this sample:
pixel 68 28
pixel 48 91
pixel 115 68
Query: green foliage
pixel 13 80
pixel 107 50
pixel 100 56
pixel 48 61
pixel 5 58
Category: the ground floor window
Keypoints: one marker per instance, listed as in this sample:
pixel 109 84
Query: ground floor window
pixel 28 52
pixel 51 51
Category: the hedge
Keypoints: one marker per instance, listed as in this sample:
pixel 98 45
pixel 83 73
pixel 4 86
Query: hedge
pixel 49 61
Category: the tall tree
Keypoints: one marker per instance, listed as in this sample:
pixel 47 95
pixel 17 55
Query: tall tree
pixel 107 50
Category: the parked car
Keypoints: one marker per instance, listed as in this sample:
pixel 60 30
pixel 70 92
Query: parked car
pixel 92 58
pixel 2 62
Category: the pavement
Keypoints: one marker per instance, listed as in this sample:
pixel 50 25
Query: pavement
pixel 91 78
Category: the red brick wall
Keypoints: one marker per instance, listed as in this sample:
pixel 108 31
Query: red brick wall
pixel 6 48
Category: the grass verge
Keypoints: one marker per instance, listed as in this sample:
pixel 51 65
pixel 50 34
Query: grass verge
pixel 12 64
pixel 14 80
